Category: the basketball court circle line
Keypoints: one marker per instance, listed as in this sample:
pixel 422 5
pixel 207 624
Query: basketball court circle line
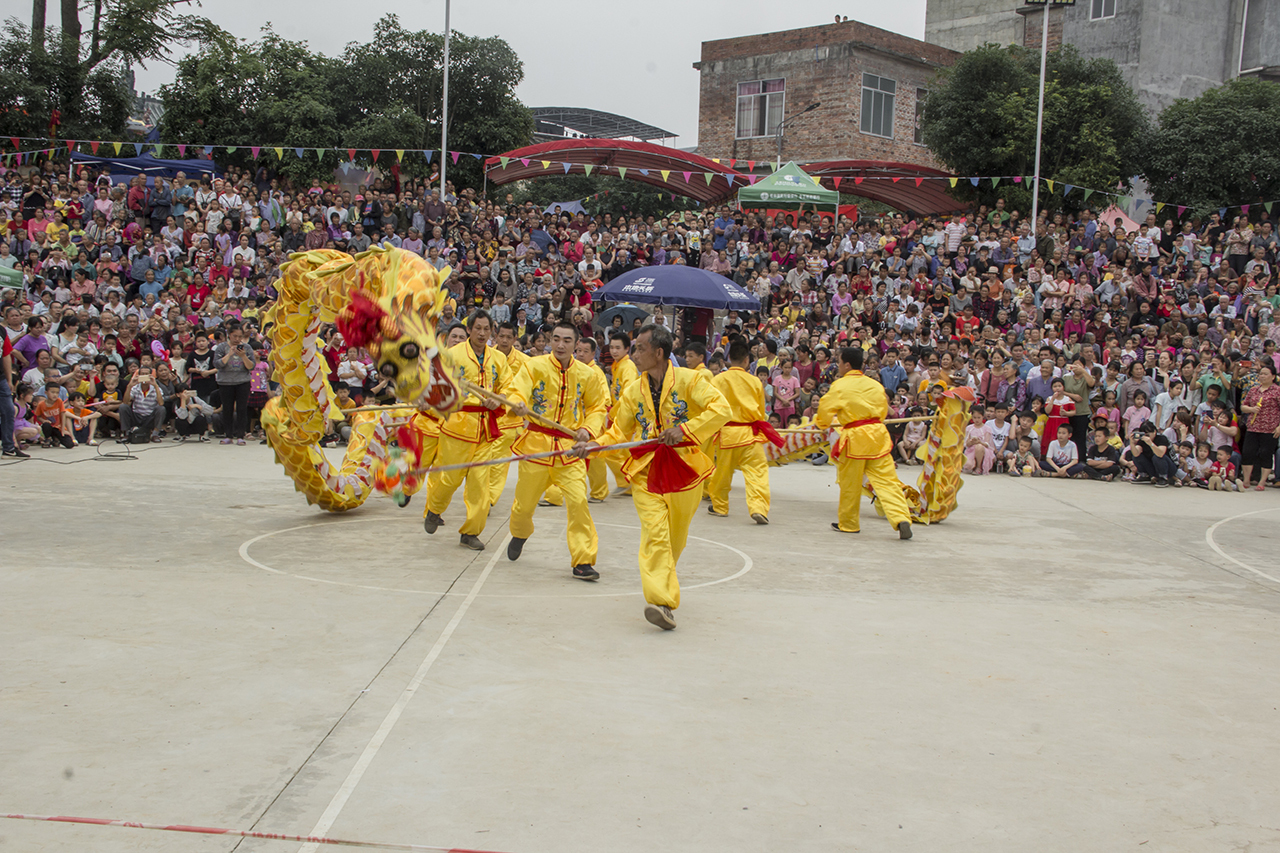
pixel 747 565
pixel 1209 539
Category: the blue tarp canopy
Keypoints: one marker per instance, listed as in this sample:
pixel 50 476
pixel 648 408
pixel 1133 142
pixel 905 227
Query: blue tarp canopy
pixel 148 165
pixel 678 284
pixel 569 207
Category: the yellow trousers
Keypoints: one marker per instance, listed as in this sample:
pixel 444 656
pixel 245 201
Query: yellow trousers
pixel 664 530
pixel 884 479
pixel 597 478
pixel 614 461
pixel 751 461
pixel 572 483
pixel 442 484
pixel 430 443
pixel 498 473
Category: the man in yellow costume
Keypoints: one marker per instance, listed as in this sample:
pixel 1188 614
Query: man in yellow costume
pixel 857 405
pixel 679 410
pixel 597 468
pixel 741 440
pixel 624 373
pixel 427 423
pixel 469 435
pixel 559 387
pixel 510 424
pixel 695 358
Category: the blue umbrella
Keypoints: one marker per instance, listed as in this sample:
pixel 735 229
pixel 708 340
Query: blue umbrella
pixel 678 284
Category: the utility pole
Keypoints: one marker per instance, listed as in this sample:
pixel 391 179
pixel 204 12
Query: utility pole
pixel 1044 58
pixel 444 107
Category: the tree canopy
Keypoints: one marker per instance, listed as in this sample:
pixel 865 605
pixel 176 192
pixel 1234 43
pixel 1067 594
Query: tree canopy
pixel 83 74
pixel 381 94
pixel 980 119
pixel 1217 150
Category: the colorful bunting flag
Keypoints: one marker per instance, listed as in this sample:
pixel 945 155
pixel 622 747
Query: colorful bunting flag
pixel 708 176
pixel 586 168
pixel 157 150
pixel 622 171
pixel 524 161
pixel 71 145
pixel 399 155
pixel 1087 193
pixel 1159 206
pixel 503 161
pixel 478 156
pixel 93 146
pixel 729 178
pixel 1182 208
pixel 1222 213
pixel 137 148
pixel 455 155
pixel 182 151
pixel 566 167
pixel 375 152
pixel 995 182
pixel 859 179
pixel 279 152
pixel 351 154
pixel 297 152
pixel 919 181
pixel 254 149
pixel 666 173
pixel 751 164
pixel 16 146
pixel 231 149
pixel 954 181
pixel 1244 208
pixel 1266 205
pixel 837 180
pixel 751 179
pixel 546 164
pixel 687 175
pixel 644 172
pixel 1066 189
pixel 1050 183
pixel 432 152
pixel 974 181
pixel 1017 179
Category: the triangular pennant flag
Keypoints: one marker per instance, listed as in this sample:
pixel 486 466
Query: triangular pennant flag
pixel 1017 179
pixel 687 175
pixel 455 155
pixel 567 166
pixel 279 153
pixel 375 152
pixel 208 151
pixel 182 151
pixel 503 161
pixel 751 164
pixel 673 196
pixel 953 182
pixel 351 153
pixel 231 149
pixel 71 145
pixel 1182 208
pixel 816 180
pixel 859 179
pixel 587 167
pixel 729 178
pixel 666 173
pixel 137 148
pixel 974 181
pixel 1159 206
pixel 708 176
pixel 733 164
pixel 1087 193
pixel 14 140
pixel 478 156
pixel 524 161
pixel 995 182
pixel 93 146
pixel 644 172
pixel 1266 205
pixel 919 181
pixel 622 171
pixel 320 154
pixel 752 179
pixel 546 164
pixel 715 160
pixel 1222 213
pixel 1244 209
pixel 157 150
pixel 254 150
pixel 297 152
pixel 1050 183
pixel 837 181
pixel 1067 188
pixel 399 155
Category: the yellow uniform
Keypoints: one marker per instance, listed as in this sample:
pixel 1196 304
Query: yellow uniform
pixel 740 445
pixel 469 435
pixel 428 426
pixel 857 405
pixel 597 468
pixel 624 373
pixel 689 401
pixel 576 397
pixel 511 426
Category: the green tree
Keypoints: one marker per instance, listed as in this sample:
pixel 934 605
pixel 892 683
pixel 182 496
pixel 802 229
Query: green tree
pixel 980 119
pixel 617 196
pixel 1218 149
pixel 383 94
pixel 83 74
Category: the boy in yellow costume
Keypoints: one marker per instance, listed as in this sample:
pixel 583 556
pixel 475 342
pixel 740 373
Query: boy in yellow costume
pixel 624 373
pixel 510 424
pixel 469 435
pixel 680 409
pixel 857 404
pixel 559 387
pixel 597 468
pixel 740 446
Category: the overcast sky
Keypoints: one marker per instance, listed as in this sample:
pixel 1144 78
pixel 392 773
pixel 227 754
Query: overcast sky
pixel 624 57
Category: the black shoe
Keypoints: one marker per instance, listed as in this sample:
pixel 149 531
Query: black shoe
pixel 1160 481
pixel 585 572
pixel 472 542
pixel 19 454
pixel 835 525
pixel 759 518
pixel 432 522
pixel 514 548
pixel 904 530
pixel 660 615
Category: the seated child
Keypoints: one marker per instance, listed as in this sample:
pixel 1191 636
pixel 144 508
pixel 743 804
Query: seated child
pixel 1026 461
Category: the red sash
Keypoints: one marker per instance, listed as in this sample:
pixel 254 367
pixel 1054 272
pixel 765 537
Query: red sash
pixel 761 428
pixel 863 422
pixel 489 422
pixel 667 472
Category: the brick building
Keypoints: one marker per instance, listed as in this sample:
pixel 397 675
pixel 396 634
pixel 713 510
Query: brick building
pixel 870 84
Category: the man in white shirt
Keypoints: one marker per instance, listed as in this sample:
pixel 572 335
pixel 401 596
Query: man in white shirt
pixel 590 269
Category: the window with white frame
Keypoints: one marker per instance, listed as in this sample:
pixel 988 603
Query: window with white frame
pixel 760 104
pixel 877 105
pixel 1102 9
pixel 921 94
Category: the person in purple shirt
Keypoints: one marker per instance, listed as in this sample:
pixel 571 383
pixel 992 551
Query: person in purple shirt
pixel 33 341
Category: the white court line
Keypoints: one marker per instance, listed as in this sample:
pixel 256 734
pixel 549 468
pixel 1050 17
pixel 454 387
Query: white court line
pixel 349 784
pixel 1208 538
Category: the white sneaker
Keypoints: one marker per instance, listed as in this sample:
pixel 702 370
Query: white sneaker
pixel 660 615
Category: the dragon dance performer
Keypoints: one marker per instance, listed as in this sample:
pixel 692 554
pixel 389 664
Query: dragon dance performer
pixel 469 435
pixel 597 469
pixel 510 424
pixel 624 373
pixel 681 409
pixel 858 405
pixel 559 387
pixel 741 441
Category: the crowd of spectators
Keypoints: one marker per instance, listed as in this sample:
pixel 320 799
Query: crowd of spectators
pixel 1093 351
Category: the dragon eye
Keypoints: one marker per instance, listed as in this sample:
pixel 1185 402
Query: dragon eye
pixel 409 350
pixel 389 370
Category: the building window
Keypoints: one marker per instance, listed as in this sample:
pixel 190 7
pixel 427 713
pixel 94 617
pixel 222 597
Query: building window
pixel 1102 9
pixel 877 105
pixel 760 107
pixel 921 94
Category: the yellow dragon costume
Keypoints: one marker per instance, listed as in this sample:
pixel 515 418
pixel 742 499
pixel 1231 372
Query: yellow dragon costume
pixel 385 300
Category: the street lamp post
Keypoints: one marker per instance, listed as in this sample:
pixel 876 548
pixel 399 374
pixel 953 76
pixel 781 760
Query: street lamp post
pixel 444 107
pixel 778 131
pixel 1044 58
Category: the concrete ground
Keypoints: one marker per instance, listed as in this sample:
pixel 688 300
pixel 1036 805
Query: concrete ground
pixel 1059 666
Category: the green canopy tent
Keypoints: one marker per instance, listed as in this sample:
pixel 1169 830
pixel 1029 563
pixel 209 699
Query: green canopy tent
pixel 789 188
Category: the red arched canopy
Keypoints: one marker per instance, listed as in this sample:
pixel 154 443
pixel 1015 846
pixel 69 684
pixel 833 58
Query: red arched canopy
pixel 902 186
pixel 686 174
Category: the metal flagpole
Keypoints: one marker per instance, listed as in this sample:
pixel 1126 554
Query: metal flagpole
pixel 444 107
pixel 1044 57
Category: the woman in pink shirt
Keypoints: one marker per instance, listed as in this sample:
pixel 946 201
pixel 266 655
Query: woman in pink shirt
pixel 786 387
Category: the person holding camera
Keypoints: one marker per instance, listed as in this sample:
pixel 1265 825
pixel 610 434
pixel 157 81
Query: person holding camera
pixel 234 359
pixel 142 411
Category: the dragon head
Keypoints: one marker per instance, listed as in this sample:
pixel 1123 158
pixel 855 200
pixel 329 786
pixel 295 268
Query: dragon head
pixel 400 335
